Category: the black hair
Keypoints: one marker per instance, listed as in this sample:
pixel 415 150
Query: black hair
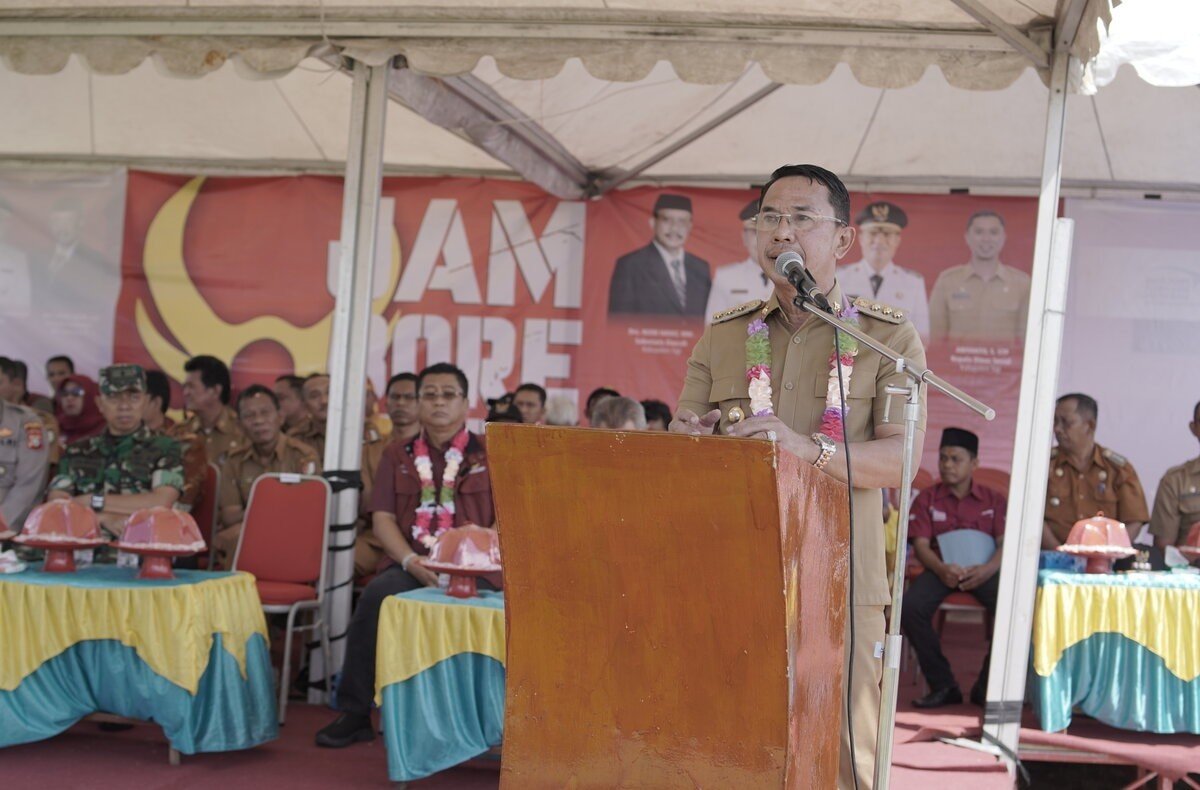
pixel 444 368
pixel 9 368
pixel 22 370
pixel 597 394
pixel 293 381
pixel 213 372
pixel 984 213
pixel 1196 412
pixel 63 358
pixel 1084 404
pixel 159 386
pixel 398 378
pixel 657 410
pixel 535 389
pixel 839 196
pixel 511 414
pixel 251 391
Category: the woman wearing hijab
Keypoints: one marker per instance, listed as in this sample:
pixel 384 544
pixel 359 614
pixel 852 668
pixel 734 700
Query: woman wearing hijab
pixel 75 407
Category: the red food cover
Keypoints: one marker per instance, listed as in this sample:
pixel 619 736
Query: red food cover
pixel 1099 534
pixel 61 521
pixel 162 529
pixel 471 547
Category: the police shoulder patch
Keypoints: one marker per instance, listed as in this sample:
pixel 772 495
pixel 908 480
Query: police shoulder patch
pixel 1116 458
pixel 734 312
pixel 878 310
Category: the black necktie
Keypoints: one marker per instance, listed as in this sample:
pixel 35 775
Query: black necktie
pixel 876 281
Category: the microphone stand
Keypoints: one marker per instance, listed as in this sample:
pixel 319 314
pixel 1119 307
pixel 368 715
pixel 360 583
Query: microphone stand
pixel 891 648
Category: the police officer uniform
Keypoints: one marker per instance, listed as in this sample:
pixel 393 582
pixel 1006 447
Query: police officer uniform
pixel 893 285
pixel 716 378
pixel 1177 504
pixel 1108 484
pixel 24 461
pixel 965 305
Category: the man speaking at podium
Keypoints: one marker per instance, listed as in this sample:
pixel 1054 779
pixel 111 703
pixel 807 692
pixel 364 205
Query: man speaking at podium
pixel 794 400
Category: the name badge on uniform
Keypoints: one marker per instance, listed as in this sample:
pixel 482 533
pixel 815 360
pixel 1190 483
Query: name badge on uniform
pixel 476 470
pixel 936 514
pixel 988 512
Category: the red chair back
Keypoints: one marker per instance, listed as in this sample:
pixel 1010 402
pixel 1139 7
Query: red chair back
pixel 995 479
pixel 285 530
pixel 204 510
pixel 923 480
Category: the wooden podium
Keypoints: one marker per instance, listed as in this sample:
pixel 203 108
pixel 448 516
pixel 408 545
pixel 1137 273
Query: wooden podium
pixel 675 610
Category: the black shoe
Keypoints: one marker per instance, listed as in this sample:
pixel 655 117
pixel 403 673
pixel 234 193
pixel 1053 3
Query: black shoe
pixel 346 729
pixel 114 726
pixel 951 695
pixel 979 695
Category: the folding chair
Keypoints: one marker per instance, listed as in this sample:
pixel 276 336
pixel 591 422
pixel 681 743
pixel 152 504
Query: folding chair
pixel 284 543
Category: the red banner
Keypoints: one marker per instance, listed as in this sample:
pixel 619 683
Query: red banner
pixel 510 284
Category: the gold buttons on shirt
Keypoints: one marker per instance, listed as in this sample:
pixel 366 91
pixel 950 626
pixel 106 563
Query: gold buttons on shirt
pixel 789 385
pixel 1103 475
pixel 1058 472
pixel 1054 501
pixel 736 414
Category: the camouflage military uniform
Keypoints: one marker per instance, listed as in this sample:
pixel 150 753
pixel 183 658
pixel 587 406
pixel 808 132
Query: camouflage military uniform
pixel 132 464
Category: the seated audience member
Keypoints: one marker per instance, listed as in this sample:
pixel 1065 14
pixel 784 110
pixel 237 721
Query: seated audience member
pixel 1086 478
pixel 206 394
pixel 368 552
pixel 619 413
pixel 402 407
pixel 13 378
pixel 289 390
pixel 561 411
pixel 530 400
pixel 57 370
pixel 127 467
pixel 270 450
pixel 1177 503
pixel 597 395
pixel 957 502
pixel 77 408
pixel 24 461
pixel 443 394
pixel 500 404
pixel 658 415
pixel 195 454
pixel 511 414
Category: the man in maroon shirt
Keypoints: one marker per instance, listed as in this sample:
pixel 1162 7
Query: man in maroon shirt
pixel 442 398
pixel 957 502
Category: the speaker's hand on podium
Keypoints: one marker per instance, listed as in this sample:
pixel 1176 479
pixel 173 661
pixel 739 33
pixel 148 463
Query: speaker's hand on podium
pixel 687 421
pixel 775 430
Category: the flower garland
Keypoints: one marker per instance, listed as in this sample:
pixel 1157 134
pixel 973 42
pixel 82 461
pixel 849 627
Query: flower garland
pixel 758 373
pixel 435 502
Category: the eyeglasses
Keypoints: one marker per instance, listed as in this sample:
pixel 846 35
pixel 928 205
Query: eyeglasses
pixel 800 220
pixel 429 396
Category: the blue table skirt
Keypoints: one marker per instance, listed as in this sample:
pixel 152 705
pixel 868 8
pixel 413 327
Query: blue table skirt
pixel 228 712
pixel 448 714
pixel 1117 681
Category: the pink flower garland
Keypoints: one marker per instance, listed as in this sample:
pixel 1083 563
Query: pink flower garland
pixel 433 501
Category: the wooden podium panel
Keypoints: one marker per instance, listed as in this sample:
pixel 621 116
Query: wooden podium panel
pixel 675 609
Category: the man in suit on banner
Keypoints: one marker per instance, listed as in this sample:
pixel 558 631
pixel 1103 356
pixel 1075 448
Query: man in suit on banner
pixel 661 278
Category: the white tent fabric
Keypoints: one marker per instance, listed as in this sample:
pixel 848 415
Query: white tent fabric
pixel 887 44
pixel 1161 38
pixel 1126 137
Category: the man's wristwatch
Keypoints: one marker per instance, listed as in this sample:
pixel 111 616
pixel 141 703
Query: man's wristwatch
pixel 828 448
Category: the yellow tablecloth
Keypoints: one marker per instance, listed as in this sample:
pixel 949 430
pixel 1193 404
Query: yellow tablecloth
pixel 422 628
pixel 1160 612
pixel 169 623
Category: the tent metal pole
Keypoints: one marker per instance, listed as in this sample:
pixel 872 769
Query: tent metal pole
pixel 1031 451
pixel 348 344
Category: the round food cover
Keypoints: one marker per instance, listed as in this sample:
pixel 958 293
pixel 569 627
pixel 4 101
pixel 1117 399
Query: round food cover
pixel 162 529
pixel 61 521
pixel 472 547
pixel 1099 534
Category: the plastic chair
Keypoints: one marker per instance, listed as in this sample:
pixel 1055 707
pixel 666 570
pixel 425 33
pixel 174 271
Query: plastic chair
pixel 284 544
pixel 995 479
pixel 923 480
pixel 205 512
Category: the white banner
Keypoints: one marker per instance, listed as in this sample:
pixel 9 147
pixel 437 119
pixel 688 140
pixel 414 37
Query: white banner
pixel 60 268
pixel 1133 327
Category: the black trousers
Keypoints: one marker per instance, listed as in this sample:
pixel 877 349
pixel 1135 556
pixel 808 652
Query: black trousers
pixel 921 602
pixel 356 689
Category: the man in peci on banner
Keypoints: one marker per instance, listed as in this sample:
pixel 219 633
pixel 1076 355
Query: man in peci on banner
pixel 877 277
pixel 806 209
pixel 662 278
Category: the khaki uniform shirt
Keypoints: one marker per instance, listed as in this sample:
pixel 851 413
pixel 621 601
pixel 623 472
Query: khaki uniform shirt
pixel 244 466
pixel 716 378
pixel 1177 503
pixel 24 461
pixel 1109 485
pixel 224 437
pixel 965 306
pixel 311 433
pixel 195 460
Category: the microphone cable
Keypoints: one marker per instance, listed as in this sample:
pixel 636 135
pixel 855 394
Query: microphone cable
pixel 837 352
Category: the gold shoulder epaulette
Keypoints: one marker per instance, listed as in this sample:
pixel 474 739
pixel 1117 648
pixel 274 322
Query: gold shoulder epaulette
pixel 1116 458
pixel 734 312
pixel 884 312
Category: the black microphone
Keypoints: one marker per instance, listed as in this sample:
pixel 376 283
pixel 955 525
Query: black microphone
pixel 791 266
